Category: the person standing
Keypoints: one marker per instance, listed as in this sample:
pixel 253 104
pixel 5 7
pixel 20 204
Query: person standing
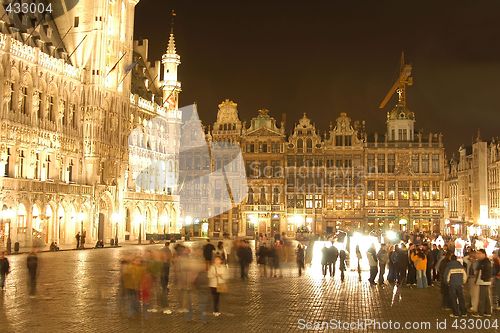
pixel 77 237
pixel 342 264
pixel 420 261
pixel 217 276
pixel 373 262
pixel 435 257
pixel 445 292
pixel 496 275
pixel 4 270
pixel 208 253
pixel 430 264
pixel 262 255
pixel 220 251
pixel 483 279
pixel 382 257
pixel 411 278
pixel 84 235
pixel 32 264
pixel 472 297
pixel 456 277
pixel 300 258
pixel 164 277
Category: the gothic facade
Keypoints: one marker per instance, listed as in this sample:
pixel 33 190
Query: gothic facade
pixel 82 147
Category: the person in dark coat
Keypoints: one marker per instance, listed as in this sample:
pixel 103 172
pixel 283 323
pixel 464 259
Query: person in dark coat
pixel 483 279
pixel 411 278
pixel 430 264
pixel 208 253
pixel 324 260
pixel 332 254
pixel 342 264
pixel 84 235
pixel 77 237
pixel 401 265
pixel 393 257
pixel 300 258
pixel 445 292
pixel 32 264
pixel 455 277
pixel 262 257
pixel 4 269
pixel 244 253
pixel 435 257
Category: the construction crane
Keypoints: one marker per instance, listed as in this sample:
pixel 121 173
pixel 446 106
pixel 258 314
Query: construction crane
pixel 400 85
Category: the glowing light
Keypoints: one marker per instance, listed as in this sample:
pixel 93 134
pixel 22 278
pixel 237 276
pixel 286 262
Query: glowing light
pixel 391 235
pixel 252 218
pixel 116 217
pixel 164 219
pixel 403 221
pixel 364 243
pixel 188 220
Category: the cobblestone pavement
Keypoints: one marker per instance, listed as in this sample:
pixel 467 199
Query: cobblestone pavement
pixel 78 292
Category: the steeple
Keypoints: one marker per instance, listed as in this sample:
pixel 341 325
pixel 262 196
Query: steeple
pixel 171 39
pixel 171 60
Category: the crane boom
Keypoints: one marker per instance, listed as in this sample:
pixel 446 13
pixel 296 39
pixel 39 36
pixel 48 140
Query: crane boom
pixel 400 85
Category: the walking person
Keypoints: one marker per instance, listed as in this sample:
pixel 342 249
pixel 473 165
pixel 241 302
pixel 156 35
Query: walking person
pixel 4 270
pixel 456 277
pixel 165 277
pixel 401 265
pixel 324 260
pixel 430 264
pixel 333 254
pixel 435 253
pixel 217 276
pixel 373 262
pixel 32 265
pixel 244 253
pixel 483 279
pixel 300 256
pixel 77 237
pixel 359 257
pixel 220 252
pixel 262 257
pixel 392 260
pixel 383 258
pixel 342 264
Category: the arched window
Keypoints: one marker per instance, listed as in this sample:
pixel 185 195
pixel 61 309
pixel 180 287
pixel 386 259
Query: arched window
pixel 300 145
pixel 309 145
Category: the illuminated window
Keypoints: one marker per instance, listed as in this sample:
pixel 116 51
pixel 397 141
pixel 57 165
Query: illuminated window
pixel 23 100
pixel 309 201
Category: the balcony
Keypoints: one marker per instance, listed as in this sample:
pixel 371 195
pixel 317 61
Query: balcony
pixel 36 186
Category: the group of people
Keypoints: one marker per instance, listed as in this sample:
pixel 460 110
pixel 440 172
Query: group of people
pixel 32 266
pixel 80 239
pixel 329 258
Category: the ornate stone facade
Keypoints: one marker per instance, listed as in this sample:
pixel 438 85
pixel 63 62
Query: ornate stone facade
pixel 67 163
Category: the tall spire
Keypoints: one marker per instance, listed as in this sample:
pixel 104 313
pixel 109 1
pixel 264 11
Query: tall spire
pixel 171 39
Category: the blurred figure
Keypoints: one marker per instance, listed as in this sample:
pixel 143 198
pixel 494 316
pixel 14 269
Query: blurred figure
pixel 401 265
pixel 342 264
pixel 383 258
pixel 392 259
pixel 84 235
pixel 202 290
pixel 208 253
pixel 300 256
pixel 77 237
pixel 333 254
pixel 54 247
pixel 445 291
pixel 164 278
pixel 132 276
pixel 496 275
pixel 217 276
pixel 472 296
pixel 373 262
pixel 152 279
pixel 4 269
pixel 32 264
pixel 262 257
pixel 277 259
pixel 245 256
pixel 359 257
pixel 324 260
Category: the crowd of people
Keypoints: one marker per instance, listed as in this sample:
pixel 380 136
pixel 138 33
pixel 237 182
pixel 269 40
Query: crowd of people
pixel 200 272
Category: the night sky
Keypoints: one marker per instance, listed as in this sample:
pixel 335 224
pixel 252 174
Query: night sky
pixel 326 57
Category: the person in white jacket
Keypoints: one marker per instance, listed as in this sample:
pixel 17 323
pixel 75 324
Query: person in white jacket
pixel 217 277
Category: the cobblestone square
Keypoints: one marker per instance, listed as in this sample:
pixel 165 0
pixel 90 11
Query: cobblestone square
pixel 78 291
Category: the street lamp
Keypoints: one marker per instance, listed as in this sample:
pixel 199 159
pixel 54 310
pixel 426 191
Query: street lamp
pixel 116 217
